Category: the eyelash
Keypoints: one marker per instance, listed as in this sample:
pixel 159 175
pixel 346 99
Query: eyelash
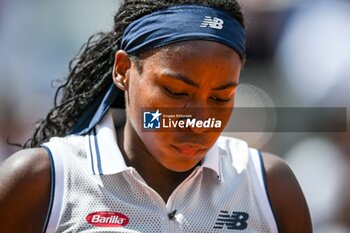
pixel 179 94
pixel 175 94
pixel 220 100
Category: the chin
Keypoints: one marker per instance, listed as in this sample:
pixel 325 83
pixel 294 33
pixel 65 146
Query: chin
pixel 183 164
pixel 180 169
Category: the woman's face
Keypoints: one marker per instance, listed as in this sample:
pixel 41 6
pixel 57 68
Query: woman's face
pixel 200 75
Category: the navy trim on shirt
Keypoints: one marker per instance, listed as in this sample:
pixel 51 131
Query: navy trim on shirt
pixel 98 156
pixel 91 156
pixel 52 189
pixel 263 171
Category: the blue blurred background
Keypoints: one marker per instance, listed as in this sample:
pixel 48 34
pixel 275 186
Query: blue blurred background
pixel 298 55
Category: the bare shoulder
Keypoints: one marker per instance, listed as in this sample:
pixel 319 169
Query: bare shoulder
pixel 287 199
pixel 25 191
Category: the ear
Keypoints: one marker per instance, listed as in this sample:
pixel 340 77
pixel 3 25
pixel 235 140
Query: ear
pixel 121 67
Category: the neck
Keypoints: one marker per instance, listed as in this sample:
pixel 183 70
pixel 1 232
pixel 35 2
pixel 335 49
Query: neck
pixel 162 180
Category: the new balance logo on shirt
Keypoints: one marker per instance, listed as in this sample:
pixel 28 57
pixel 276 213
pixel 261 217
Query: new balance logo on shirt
pixel 235 221
pixel 214 22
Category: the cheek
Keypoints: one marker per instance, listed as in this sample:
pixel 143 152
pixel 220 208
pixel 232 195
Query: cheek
pixel 141 94
pixel 155 142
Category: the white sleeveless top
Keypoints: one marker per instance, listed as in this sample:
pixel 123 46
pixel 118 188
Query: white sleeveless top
pixel 94 191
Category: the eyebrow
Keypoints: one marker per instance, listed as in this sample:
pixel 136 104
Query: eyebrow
pixel 180 77
pixel 185 79
pixel 225 86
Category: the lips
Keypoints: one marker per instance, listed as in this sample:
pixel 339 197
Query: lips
pixel 189 149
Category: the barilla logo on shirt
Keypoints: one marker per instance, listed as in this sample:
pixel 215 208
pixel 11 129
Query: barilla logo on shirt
pixel 107 219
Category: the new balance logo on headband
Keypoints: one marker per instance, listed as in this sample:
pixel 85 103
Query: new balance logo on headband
pixel 215 23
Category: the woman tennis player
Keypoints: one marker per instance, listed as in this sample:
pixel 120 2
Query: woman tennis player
pixel 91 169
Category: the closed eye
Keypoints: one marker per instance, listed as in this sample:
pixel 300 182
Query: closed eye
pixel 174 93
pixel 220 100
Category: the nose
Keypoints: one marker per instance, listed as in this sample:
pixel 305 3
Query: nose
pixel 200 114
pixel 199 130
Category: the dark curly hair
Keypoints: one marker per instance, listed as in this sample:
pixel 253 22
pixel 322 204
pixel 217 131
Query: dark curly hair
pixel 90 72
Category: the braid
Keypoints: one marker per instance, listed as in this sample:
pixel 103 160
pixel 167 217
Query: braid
pixel 90 72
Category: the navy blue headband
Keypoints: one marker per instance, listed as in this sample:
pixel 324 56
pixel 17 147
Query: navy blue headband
pixel 183 23
pixel 171 25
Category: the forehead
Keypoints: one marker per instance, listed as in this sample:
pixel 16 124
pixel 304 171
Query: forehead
pixel 198 61
pixel 196 49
